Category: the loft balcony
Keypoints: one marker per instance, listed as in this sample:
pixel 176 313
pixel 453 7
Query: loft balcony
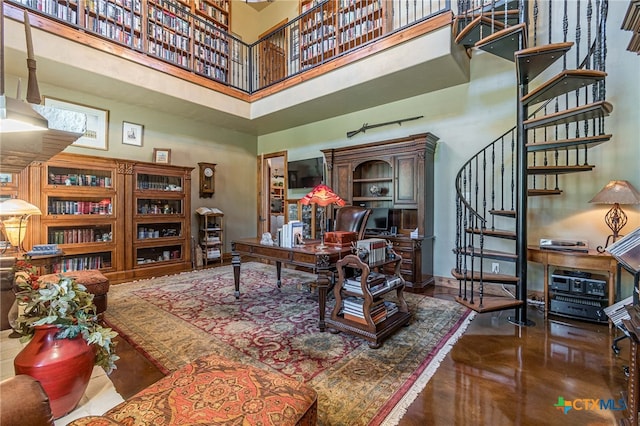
pixel 256 94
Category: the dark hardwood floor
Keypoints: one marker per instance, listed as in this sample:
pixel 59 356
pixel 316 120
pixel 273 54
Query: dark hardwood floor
pixel 496 374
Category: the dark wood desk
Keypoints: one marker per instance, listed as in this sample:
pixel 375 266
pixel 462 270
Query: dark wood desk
pixel 322 262
pixel 591 260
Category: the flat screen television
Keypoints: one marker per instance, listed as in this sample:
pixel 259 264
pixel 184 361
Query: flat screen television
pixel 378 220
pixel 305 173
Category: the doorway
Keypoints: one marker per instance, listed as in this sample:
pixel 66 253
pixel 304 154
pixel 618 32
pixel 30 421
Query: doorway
pixel 272 169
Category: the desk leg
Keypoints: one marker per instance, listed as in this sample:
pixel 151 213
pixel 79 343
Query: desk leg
pixel 235 262
pixel 279 274
pixel 323 284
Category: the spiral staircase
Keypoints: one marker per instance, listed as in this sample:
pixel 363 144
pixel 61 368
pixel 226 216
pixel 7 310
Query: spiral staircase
pixel 561 108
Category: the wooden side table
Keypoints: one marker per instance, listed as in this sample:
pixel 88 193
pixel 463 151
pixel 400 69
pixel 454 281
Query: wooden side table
pixel 591 260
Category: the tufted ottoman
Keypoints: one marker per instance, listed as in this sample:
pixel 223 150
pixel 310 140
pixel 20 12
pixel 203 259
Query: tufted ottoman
pixel 96 284
pixel 216 391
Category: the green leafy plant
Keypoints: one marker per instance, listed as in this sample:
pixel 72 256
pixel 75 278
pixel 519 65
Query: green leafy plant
pixel 66 304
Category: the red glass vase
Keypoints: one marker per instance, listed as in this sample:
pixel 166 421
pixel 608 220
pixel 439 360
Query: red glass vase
pixel 62 366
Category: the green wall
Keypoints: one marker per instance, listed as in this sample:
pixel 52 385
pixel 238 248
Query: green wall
pixel 468 117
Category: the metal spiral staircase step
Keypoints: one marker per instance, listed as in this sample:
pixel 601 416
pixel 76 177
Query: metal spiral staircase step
pixel 584 112
pixel 486 277
pixel 489 303
pixel 558 170
pixel 497 233
pixel 585 142
pixel 565 82
pixel 476 30
pixel 539 192
pixel 489 254
pixel 503 213
pixel 532 61
pixel 504 42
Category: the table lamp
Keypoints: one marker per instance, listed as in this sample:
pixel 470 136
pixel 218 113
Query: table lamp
pixel 17 213
pixel 616 192
pixel 322 196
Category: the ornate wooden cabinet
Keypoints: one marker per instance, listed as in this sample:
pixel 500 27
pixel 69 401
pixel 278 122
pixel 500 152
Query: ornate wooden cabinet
pixel 129 219
pixel 397 175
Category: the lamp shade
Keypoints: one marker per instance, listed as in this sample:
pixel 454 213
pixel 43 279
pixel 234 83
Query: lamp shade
pixel 617 191
pixel 15 226
pixel 322 196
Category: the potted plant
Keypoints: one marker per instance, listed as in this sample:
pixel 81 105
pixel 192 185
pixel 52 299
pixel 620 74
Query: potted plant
pixel 66 338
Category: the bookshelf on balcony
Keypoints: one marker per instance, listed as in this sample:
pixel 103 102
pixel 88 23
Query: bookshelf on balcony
pixel 118 20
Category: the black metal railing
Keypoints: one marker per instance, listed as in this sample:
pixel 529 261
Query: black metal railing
pixel 487 184
pixel 167 30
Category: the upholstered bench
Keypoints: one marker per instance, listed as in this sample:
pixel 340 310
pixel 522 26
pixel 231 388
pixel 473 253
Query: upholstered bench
pixel 96 284
pixel 216 391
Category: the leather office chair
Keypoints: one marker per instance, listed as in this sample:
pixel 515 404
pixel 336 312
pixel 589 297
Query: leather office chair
pixel 352 219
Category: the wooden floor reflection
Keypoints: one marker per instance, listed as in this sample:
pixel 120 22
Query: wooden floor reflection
pixel 500 374
pixel 496 374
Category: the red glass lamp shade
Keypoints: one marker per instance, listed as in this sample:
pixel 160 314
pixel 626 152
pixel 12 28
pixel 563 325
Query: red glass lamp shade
pixel 322 195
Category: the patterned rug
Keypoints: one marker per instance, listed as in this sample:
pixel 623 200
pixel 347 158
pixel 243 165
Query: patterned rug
pixel 176 319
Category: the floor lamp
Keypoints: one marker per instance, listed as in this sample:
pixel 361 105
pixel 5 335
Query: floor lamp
pixel 14 215
pixel 322 196
pixel 616 192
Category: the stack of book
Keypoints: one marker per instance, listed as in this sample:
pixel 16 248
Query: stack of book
pixel 353 310
pixel 376 247
pixel 376 282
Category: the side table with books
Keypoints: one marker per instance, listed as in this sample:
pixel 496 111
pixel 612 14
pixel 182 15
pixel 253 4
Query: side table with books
pixel 361 308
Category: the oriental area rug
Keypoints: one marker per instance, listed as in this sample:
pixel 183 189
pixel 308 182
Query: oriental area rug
pixel 175 319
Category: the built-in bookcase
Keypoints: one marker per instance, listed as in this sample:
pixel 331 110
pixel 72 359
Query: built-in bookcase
pixel 129 219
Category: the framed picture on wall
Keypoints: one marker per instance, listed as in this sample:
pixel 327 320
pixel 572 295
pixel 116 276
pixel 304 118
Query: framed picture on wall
pixel 96 133
pixel 161 155
pixel 132 133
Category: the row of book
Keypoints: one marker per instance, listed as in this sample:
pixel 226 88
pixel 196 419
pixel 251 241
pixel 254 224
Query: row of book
pixel 353 310
pixel 290 235
pixel 80 207
pixel 78 235
pixel 82 262
pixel 80 180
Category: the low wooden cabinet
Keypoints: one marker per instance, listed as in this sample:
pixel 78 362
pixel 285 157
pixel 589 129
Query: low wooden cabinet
pixel 362 310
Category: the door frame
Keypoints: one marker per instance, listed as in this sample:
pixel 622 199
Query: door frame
pixel 264 189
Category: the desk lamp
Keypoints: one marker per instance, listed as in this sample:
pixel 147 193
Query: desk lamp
pixel 616 192
pixel 15 226
pixel 322 196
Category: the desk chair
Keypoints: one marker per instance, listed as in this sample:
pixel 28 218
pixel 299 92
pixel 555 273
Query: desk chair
pixel 352 219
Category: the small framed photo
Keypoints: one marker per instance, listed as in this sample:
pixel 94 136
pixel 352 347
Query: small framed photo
pixel 161 156
pixel 132 133
pixel 96 135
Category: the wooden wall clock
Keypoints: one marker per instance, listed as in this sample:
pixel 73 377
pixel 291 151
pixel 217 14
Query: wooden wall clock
pixel 207 179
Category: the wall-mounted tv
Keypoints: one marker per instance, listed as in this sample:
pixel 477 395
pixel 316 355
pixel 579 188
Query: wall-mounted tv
pixel 305 173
